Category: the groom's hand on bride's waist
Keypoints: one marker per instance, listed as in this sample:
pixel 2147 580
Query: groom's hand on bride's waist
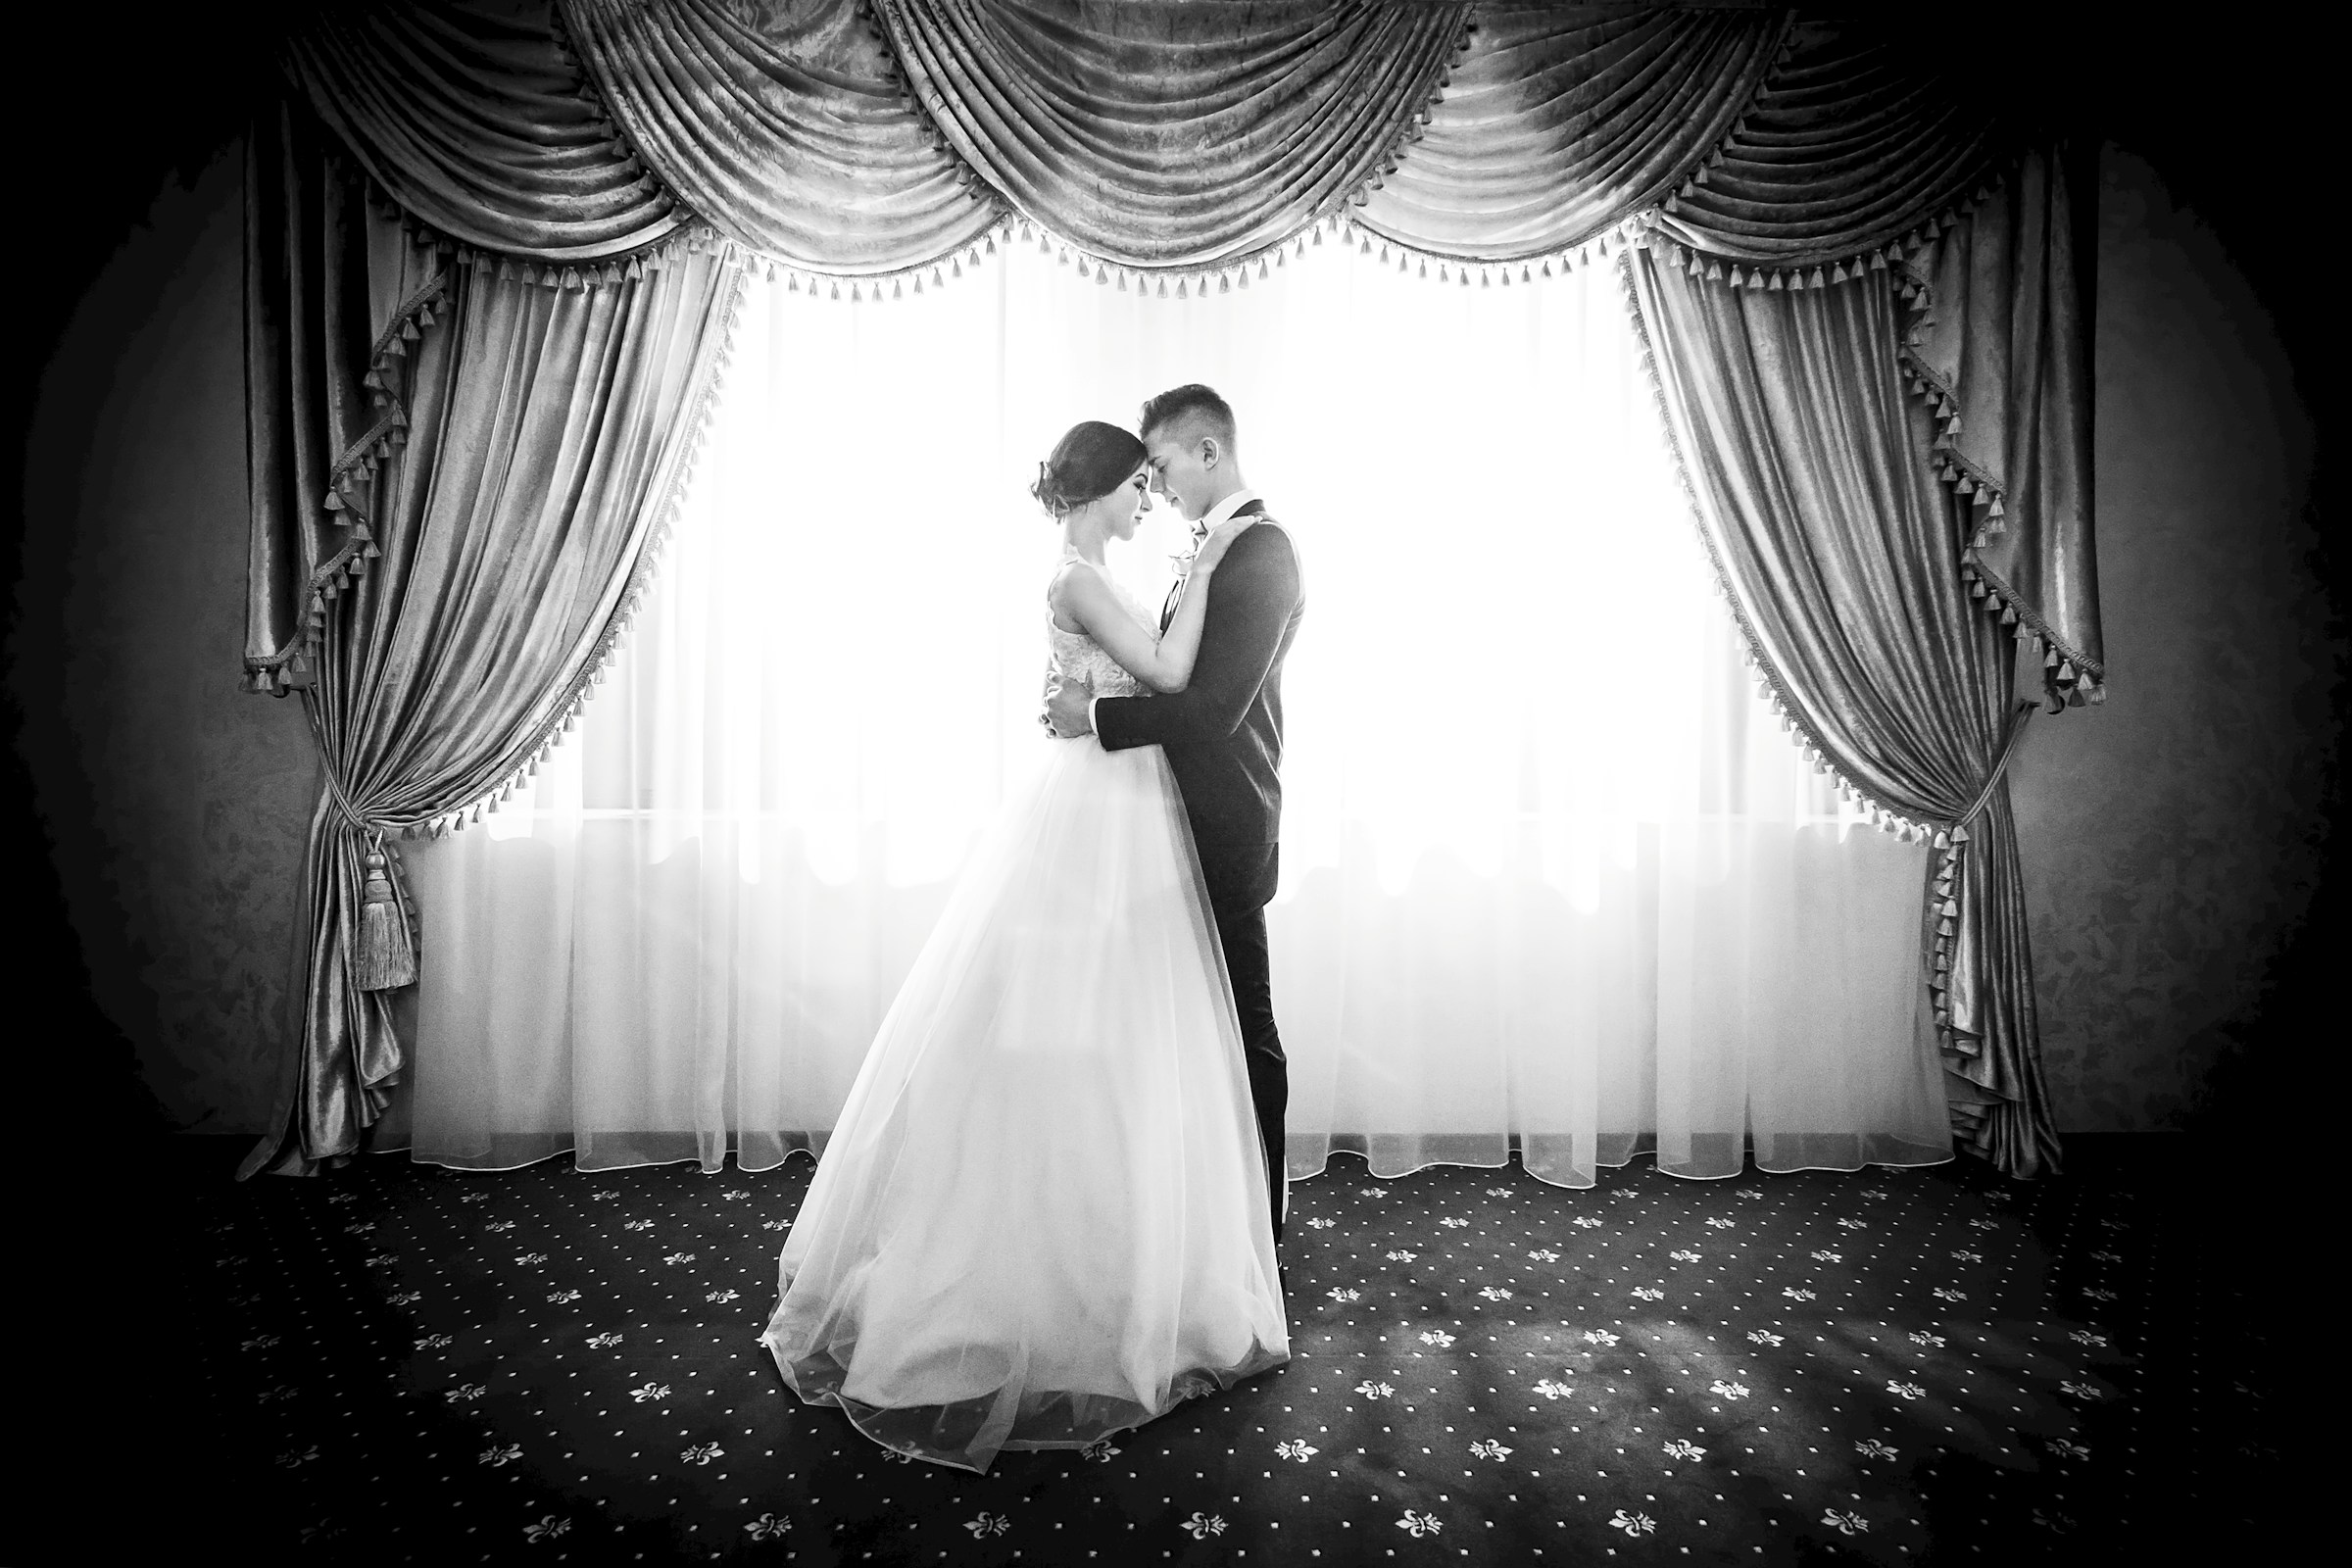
pixel 1069 708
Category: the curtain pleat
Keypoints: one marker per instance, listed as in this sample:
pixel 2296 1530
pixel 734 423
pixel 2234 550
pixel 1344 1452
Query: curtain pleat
pixel 476 121
pixel 1849 145
pixel 1174 132
pixel 786 125
pixel 1559 120
pixel 1811 477
pixel 475 561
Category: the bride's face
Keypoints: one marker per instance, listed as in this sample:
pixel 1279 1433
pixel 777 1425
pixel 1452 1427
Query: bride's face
pixel 1123 509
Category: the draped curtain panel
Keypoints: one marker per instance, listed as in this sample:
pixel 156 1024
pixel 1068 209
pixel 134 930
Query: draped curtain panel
pixel 2000 345
pixel 1810 468
pixel 1755 152
pixel 457 477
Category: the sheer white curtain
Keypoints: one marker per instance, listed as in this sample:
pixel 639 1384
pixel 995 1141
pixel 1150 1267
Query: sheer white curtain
pixel 1553 877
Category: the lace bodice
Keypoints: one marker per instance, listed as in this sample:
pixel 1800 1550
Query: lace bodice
pixel 1080 658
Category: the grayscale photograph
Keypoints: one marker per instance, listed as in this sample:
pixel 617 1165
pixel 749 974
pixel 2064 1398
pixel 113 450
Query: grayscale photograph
pixel 1265 782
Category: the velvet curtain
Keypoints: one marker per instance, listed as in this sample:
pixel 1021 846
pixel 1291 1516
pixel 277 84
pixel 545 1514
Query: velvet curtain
pixel 1762 153
pixel 1999 342
pixel 1560 119
pixel 1847 145
pixel 473 121
pixel 1175 132
pixel 1811 475
pixel 787 125
pixel 455 480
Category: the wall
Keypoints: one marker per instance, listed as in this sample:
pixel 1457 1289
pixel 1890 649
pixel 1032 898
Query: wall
pixel 2168 834
pixel 175 805
pixel 2172 836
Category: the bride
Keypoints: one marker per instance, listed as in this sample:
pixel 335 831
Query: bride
pixel 1041 1217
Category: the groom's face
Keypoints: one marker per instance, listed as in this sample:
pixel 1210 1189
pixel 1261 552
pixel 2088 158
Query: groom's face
pixel 1181 463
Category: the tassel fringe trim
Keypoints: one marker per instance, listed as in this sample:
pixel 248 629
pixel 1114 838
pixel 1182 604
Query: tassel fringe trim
pixel 1463 272
pixel 348 501
pixel 2069 677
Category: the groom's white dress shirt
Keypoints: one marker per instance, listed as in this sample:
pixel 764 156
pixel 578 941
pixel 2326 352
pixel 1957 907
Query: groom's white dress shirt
pixel 1201 529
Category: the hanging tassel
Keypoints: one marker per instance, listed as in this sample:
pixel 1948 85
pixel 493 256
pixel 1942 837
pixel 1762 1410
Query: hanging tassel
pixel 386 959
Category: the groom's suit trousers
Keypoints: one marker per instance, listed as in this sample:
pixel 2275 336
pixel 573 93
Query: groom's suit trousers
pixel 1240 879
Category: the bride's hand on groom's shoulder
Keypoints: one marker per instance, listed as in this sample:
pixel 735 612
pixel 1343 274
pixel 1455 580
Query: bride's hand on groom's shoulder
pixel 1220 539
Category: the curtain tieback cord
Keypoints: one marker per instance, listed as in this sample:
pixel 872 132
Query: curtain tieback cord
pixel 2000 762
pixel 386 956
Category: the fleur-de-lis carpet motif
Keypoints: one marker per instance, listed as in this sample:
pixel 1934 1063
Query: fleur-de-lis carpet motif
pixel 440 1367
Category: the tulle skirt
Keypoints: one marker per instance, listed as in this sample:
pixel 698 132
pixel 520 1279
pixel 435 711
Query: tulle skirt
pixel 1041 1217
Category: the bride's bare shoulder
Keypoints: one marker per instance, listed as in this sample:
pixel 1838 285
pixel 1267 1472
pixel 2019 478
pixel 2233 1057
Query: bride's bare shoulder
pixel 1076 582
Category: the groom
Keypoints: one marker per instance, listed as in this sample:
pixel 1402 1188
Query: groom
pixel 1223 732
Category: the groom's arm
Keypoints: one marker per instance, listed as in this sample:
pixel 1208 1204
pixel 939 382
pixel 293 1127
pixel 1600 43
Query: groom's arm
pixel 1250 597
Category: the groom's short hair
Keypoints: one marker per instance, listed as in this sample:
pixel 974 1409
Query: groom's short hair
pixel 1190 404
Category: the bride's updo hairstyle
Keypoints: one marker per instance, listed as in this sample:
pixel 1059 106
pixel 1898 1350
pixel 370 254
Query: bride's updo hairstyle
pixel 1090 463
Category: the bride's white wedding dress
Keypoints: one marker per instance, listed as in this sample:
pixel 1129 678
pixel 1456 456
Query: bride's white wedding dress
pixel 1041 1217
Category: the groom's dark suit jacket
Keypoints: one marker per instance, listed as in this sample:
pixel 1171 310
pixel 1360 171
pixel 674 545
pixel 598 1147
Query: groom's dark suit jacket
pixel 1223 732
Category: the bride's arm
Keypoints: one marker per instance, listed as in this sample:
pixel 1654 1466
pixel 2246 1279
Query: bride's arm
pixel 1081 595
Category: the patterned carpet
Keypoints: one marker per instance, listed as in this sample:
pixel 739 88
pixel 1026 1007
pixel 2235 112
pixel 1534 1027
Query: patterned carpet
pixel 404 1364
